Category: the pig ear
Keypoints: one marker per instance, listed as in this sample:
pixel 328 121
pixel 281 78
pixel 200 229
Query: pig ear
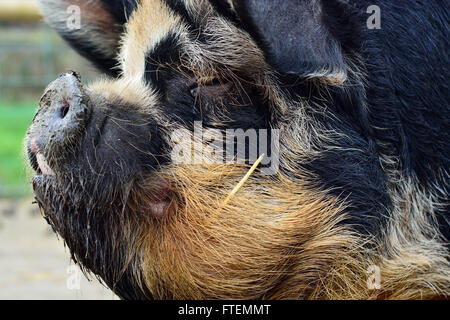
pixel 92 27
pixel 294 37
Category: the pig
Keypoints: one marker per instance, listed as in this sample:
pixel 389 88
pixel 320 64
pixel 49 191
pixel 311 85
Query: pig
pixel 251 149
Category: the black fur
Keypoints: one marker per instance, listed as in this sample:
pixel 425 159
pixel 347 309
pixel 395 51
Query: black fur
pixel 407 117
pixel 121 9
pixel 407 92
pixel 297 43
pixel 104 63
pixel 159 62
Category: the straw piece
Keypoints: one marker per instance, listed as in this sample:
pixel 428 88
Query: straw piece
pixel 244 179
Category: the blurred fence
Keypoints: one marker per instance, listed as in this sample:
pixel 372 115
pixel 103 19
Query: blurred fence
pixel 26 61
pixel 31 56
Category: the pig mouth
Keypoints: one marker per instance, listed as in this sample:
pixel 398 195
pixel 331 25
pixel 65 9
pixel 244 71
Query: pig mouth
pixel 50 185
pixel 52 188
pixel 44 177
pixel 38 161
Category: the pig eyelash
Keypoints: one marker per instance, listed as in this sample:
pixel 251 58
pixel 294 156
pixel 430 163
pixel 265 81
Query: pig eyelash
pixel 212 86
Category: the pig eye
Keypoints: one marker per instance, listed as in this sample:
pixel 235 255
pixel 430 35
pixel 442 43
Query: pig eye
pixel 210 87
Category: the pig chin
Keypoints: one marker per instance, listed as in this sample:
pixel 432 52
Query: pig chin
pixel 98 232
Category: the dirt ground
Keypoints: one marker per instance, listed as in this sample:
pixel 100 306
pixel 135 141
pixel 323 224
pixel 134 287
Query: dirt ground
pixel 34 264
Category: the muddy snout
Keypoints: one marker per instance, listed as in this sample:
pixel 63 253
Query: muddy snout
pixel 60 122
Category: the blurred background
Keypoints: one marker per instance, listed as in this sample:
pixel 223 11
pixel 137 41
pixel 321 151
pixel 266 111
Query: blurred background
pixel 34 264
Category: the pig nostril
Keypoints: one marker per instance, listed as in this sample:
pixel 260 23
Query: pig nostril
pixel 64 110
pixel 59 125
